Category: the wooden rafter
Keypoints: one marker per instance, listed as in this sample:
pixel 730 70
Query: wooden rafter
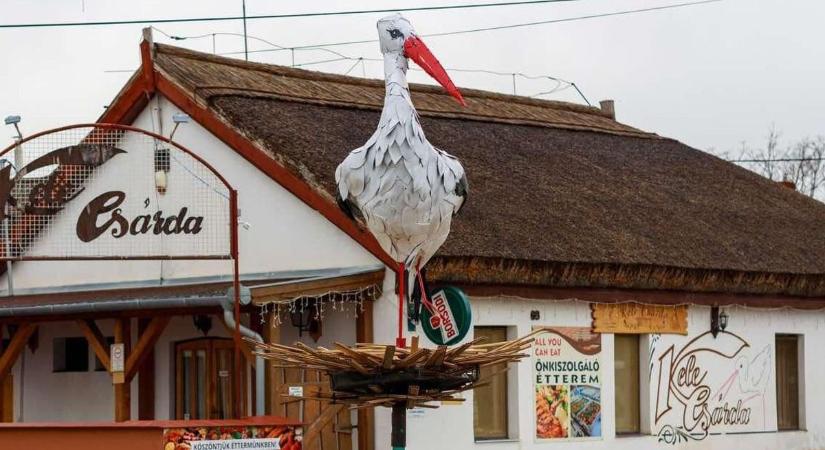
pixel 96 341
pixel 16 345
pixel 144 344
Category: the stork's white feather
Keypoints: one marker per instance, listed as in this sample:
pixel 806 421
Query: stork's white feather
pixel 406 189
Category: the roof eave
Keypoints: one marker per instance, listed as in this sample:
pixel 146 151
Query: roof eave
pixel 647 277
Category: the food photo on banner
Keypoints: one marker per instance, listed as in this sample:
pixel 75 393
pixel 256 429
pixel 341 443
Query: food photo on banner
pixel 566 369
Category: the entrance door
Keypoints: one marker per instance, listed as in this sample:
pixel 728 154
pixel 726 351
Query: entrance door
pixel 204 379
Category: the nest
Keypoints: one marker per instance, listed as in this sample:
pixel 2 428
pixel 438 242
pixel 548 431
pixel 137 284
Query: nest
pixel 370 375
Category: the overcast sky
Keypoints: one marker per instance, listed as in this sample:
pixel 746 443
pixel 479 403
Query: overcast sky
pixel 712 76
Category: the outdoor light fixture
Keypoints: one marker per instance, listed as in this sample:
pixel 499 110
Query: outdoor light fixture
pixel 18 150
pixel 718 321
pixel 178 118
pixel 203 323
pixel 304 319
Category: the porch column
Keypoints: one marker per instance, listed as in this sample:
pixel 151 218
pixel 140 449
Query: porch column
pixel 123 401
pixel 7 359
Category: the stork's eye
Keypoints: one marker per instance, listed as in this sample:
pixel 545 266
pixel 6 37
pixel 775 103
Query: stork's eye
pixel 395 34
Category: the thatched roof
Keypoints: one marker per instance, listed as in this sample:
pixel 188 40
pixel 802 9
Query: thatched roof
pixel 561 194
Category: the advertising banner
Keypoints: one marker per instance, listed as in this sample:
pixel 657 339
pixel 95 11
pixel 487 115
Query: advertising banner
pixel 232 438
pixel 567 376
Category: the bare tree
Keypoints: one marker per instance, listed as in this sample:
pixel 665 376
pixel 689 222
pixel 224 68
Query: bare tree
pixel 802 163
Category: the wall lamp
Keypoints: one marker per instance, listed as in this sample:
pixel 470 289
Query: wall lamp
pixel 718 321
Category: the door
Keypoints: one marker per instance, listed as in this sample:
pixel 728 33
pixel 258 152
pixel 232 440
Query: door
pixel 204 370
pixel 327 426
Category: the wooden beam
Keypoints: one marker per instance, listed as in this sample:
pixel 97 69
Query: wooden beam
pixel 146 379
pixel 146 342
pixel 96 340
pixel 292 289
pixel 16 345
pixel 366 416
pixel 123 401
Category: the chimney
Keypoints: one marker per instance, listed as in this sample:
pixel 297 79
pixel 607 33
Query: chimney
pixel 787 184
pixel 609 108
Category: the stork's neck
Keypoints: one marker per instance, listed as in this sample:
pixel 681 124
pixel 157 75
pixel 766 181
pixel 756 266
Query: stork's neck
pixel 395 75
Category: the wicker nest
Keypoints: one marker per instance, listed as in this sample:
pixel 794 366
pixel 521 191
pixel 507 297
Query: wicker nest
pixel 382 375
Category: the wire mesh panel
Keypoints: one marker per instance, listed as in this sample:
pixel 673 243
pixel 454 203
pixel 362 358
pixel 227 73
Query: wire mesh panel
pixel 110 192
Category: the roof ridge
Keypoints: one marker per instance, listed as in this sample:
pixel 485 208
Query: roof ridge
pixel 372 82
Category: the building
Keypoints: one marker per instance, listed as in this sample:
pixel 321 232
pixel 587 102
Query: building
pixel 574 220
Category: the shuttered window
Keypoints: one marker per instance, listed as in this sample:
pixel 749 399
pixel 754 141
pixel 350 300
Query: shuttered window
pixel 490 401
pixel 626 365
pixel 787 382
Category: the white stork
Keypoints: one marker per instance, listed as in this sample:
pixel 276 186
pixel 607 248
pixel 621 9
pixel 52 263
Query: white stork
pixel 406 190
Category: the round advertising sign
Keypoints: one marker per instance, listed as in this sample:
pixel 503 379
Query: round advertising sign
pixel 452 317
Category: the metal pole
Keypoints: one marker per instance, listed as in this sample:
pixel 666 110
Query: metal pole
pixel 236 287
pixel 245 45
pixel 399 426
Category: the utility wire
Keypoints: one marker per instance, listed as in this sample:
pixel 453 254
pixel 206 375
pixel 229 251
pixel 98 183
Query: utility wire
pixel 278 16
pixel 500 27
pixel 767 160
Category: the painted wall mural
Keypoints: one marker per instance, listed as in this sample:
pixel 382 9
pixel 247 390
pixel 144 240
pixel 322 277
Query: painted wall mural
pixel 567 374
pixel 702 385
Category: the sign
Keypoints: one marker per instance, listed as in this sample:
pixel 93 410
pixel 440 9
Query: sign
pixel 635 318
pixel 112 192
pixel 296 391
pixel 117 356
pixel 237 444
pixel 567 379
pixel 703 385
pixel 232 437
pixel 451 317
pixel 117 361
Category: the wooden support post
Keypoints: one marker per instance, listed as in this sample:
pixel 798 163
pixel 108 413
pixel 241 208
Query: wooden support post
pixel 146 378
pixel 145 344
pixel 16 345
pixel 123 404
pixel 366 416
pixel 272 335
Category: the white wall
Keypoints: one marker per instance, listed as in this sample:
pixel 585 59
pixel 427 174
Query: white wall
pixel 452 426
pixel 284 234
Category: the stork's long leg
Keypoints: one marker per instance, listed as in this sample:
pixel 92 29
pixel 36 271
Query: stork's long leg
pixel 401 279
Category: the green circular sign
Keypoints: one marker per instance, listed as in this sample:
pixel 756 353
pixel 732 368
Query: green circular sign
pixel 451 319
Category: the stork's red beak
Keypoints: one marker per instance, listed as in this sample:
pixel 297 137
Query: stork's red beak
pixel 415 49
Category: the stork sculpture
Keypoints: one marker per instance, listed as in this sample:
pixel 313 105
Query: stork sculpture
pixel 406 190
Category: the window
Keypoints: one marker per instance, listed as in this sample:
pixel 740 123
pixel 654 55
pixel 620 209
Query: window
pixel 787 382
pixel 71 354
pixel 490 401
pixel 626 366
pixel 99 365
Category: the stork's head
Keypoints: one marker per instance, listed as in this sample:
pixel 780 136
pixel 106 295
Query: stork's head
pixel 397 36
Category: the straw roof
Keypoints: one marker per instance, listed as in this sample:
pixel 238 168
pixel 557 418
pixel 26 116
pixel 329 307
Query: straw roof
pixel 560 194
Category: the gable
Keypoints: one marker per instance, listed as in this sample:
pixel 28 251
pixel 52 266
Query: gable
pixel 282 234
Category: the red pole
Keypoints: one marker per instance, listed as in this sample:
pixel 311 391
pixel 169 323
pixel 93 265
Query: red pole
pixel 400 342
pixel 236 288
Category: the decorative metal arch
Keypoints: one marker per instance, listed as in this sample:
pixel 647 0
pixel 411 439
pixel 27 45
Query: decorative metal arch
pixel 67 166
